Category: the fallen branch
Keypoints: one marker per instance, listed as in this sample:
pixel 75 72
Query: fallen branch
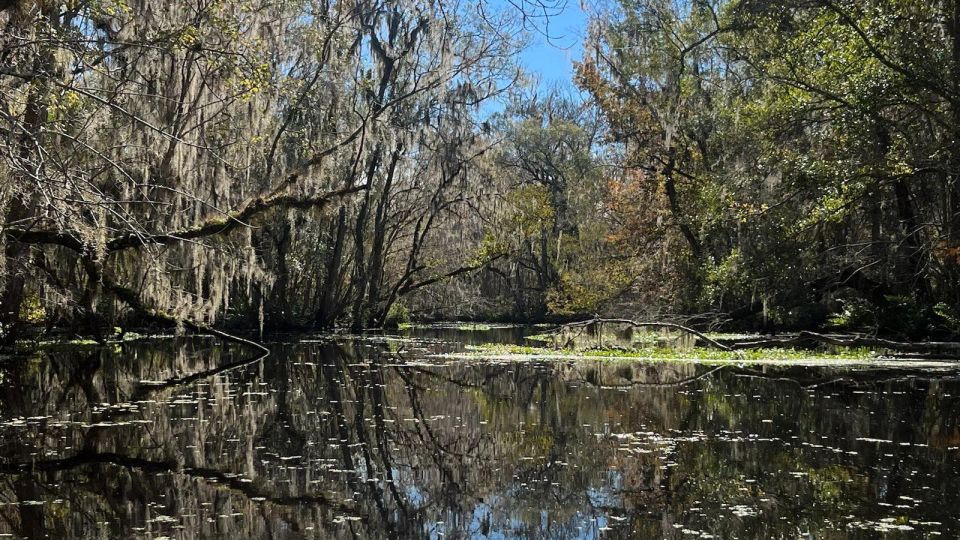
pixel 803 338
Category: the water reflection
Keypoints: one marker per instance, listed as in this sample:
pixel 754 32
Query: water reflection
pixel 473 334
pixel 374 438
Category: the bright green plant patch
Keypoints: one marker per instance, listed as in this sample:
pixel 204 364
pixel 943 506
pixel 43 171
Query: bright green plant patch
pixel 699 354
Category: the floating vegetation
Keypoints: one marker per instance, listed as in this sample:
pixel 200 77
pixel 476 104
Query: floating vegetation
pixel 502 352
pixel 460 326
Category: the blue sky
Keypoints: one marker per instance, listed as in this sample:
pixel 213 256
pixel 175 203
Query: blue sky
pixel 552 59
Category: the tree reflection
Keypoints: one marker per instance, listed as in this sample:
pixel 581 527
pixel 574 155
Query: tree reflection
pixel 343 439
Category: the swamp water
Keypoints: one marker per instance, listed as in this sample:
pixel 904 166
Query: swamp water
pixel 380 437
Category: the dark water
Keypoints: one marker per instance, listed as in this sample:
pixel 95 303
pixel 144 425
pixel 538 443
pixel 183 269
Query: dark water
pixel 376 439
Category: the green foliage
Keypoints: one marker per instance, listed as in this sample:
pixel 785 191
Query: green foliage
pixel 586 289
pixel 474 327
pixel 32 310
pixel 856 314
pixel 726 278
pixel 811 138
pixel 489 248
pixel 699 354
pixel 109 8
pixel 898 315
pixel 397 316
pixel 532 210
pixel 559 259
pixel 950 315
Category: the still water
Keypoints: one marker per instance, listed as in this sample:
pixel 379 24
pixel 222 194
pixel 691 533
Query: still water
pixel 379 437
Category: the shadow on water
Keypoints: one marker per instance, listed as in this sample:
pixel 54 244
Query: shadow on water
pixel 356 439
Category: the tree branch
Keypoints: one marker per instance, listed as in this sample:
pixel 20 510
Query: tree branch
pixel 210 227
pixel 230 221
pixel 462 270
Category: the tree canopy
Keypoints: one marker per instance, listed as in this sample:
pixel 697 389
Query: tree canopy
pixel 269 164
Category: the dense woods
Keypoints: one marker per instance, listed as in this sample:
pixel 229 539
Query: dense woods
pixel 285 164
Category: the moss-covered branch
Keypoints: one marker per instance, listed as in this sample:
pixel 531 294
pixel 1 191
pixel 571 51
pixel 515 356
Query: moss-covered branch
pixel 211 227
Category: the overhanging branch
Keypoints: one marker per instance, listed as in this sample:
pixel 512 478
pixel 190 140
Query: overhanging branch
pixel 230 221
pixel 453 273
pixel 210 227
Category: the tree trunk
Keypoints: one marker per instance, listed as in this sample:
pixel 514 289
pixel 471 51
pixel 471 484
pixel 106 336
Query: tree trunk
pixel 912 246
pixel 670 188
pixel 376 313
pixel 953 177
pixel 360 272
pixel 329 311
pixel 279 303
pixel 13 294
pixel 949 290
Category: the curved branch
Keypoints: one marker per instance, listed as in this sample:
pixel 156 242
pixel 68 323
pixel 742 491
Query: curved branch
pixel 453 273
pixel 232 220
pixel 210 227
pixel 27 236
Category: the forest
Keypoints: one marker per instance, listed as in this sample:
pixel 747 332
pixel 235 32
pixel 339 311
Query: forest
pixel 271 165
pixel 324 269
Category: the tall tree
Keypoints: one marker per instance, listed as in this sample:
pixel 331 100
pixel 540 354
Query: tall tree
pixel 156 152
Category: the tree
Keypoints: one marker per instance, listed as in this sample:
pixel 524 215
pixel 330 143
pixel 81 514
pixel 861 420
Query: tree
pixel 855 112
pixel 552 221
pixel 156 153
